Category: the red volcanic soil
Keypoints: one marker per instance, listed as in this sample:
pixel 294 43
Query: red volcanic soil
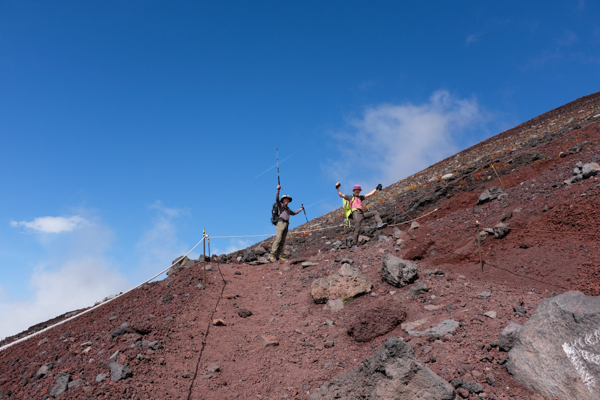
pixel 289 346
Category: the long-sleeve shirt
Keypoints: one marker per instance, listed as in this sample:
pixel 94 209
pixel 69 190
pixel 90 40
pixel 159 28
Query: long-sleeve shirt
pixel 284 211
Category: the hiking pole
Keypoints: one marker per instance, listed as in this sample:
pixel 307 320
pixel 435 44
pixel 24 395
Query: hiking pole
pixel 204 257
pixel 277 152
pixel 304 209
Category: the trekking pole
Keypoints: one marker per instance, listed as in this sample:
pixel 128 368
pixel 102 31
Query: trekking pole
pixel 345 237
pixel 204 257
pixel 304 209
pixel 277 151
pixel 501 185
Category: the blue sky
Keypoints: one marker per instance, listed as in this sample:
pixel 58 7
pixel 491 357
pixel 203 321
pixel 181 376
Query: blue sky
pixel 128 127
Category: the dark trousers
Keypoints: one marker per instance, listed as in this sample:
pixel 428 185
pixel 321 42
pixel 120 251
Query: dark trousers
pixel 357 219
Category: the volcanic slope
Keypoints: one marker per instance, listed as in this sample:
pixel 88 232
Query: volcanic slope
pixel 254 331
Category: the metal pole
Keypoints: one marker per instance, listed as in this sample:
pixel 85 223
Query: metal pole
pixel 277 151
pixel 345 237
pixel 304 209
pixel 204 257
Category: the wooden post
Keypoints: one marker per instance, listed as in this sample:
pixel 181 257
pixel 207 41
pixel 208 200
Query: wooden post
pixel 395 206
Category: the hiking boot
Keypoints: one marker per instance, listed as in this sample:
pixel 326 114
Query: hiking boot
pixel 282 257
pixel 381 225
pixel 271 257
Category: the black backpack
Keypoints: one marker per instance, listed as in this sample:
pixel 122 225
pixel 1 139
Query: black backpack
pixel 275 214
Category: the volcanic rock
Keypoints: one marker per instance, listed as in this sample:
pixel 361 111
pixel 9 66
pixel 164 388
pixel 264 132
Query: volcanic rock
pixel 336 305
pixel 259 250
pixel 119 371
pixel 248 256
pixel 443 328
pixel 376 320
pixel 508 337
pixel 347 283
pixel 418 289
pixel 244 313
pixel 590 169
pixel 562 335
pixel 501 230
pixel 398 272
pixel 119 331
pixel 44 370
pixel 393 373
pixel 490 194
pixel 62 384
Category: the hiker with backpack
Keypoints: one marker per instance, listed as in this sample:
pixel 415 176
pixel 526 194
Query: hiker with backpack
pixel 280 217
pixel 353 209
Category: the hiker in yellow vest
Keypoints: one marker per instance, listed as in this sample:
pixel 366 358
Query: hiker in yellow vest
pixel 356 210
pixel 283 221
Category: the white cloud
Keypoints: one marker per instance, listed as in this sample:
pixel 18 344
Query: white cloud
pixel 160 244
pixel 391 141
pixel 76 284
pixel 76 273
pixel 52 224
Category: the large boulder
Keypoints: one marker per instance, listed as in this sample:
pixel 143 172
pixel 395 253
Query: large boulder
pixel 393 373
pixel 376 320
pixel 259 250
pixel 62 384
pixel 119 371
pixel 557 353
pixel 348 282
pixel 398 272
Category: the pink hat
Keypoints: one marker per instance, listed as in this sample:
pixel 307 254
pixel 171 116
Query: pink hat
pixel 356 187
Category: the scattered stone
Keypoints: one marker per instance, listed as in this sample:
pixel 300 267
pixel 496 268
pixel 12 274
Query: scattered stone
pixel 448 176
pixel 337 244
pixel 501 230
pixel 490 379
pixel 418 288
pixel 100 378
pixel 200 286
pixel 393 373
pixel 213 368
pixel 562 335
pixel 431 307
pixel 334 306
pixel 329 343
pixel 62 384
pixel 219 322
pixel 44 370
pixel 347 261
pixel 490 194
pixel 377 319
pixel 485 294
pixel 347 283
pixel 590 169
pixel 116 353
pixel 119 371
pixel 414 225
pixel 244 313
pixel 472 387
pixel 443 328
pixel 520 311
pixel 490 314
pixel 398 272
pixel 119 331
pixel 363 239
pixel 73 384
pixel 207 376
pixel 508 337
pixel 41 342
pixel 238 273
pixel 259 250
pixel 248 256
pixel 269 341
pixel 308 264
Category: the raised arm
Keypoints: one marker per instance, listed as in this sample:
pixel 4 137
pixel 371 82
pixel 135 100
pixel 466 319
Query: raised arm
pixel 277 195
pixel 337 186
pixel 297 212
pixel 370 193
